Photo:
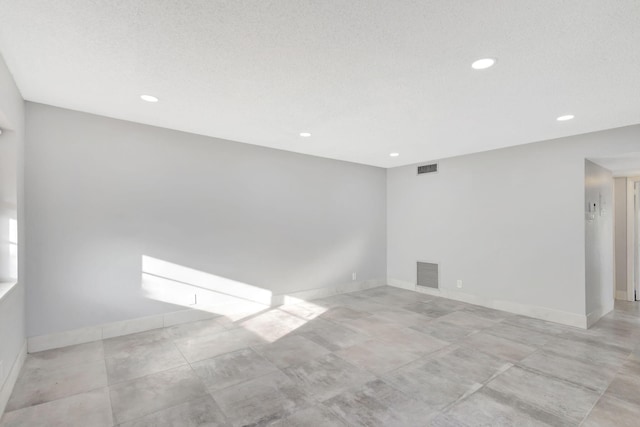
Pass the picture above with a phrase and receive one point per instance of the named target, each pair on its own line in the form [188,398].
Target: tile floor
[381,357]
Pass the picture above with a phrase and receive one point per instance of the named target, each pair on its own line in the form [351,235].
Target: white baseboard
[12,377]
[543,313]
[141,324]
[308,295]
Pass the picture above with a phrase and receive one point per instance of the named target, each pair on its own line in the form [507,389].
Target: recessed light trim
[483,64]
[565,117]
[305,134]
[149,98]
[394,154]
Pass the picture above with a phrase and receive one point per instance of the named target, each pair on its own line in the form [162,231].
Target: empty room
[319,213]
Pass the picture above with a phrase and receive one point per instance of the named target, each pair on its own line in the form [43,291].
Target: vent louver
[428,275]
[430,168]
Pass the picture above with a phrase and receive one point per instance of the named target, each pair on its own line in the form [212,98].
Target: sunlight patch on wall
[175,284]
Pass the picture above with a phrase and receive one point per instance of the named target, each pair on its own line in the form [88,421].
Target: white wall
[508,222]
[620,214]
[102,193]
[599,241]
[12,305]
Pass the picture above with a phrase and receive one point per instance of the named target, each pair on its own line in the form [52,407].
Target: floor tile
[426,382]
[429,309]
[315,416]
[143,360]
[501,347]
[91,408]
[443,330]
[382,356]
[232,368]
[200,412]
[551,394]
[396,335]
[200,328]
[573,370]
[589,352]
[305,310]
[272,325]
[519,334]
[468,320]
[611,411]
[380,291]
[136,398]
[466,363]
[40,385]
[208,346]
[259,401]
[66,356]
[396,299]
[343,313]
[402,317]
[369,305]
[291,350]
[626,387]
[330,335]
[376,356]
[486,408]
[411,340]
[378,404]
[487,313]
[326,376]
[122,346]
[344,300]
[549,328]
[374,327]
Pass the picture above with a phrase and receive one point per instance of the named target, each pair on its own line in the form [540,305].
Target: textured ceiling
[365,77]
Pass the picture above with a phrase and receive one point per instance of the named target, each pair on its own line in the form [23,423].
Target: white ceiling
[623,165]
[365,77]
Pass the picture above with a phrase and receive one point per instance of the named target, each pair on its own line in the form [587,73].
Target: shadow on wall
[246,305]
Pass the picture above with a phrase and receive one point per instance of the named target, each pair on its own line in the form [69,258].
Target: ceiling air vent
[430,168]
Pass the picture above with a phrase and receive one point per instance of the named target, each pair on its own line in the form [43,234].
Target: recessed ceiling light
[305,134]
[483,63]
[149,98]
[565,118]
[394,154]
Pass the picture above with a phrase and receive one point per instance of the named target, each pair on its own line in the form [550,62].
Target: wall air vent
[430,168]
[428,275]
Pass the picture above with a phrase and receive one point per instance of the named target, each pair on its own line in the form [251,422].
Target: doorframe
[632,236]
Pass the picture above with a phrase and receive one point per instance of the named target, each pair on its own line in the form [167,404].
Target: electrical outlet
[354,276]
[195,299]
[459,283]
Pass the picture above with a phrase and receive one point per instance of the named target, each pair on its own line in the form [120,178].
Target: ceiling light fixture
[394,154]
[305,134]
[149,98]
[565,118]
[483,63]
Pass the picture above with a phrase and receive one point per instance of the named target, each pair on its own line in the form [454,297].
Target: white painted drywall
[620,215]
[102,193]
[12,304]
[599,240]
[509,222]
